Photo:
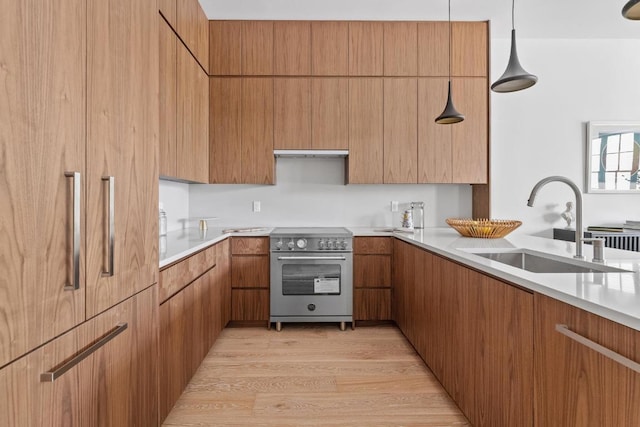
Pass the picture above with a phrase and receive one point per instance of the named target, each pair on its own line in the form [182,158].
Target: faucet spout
[578,194]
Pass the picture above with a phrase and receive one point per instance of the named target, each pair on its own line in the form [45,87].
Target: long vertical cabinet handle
[75,283]
[54,374]
[112,220]
[616,357]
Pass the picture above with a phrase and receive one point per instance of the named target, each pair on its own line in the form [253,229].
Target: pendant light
[450,115]
[631,10]
[515,78]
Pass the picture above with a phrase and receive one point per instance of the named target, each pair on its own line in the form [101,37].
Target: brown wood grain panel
[292,113]
[371,271]
[400,49]
[481,201]
[330,48]
[371,304]
[400,130]
[42,136]
[249,304]
[292,48]
[225,130]
[366,48]
[169,10]
[330,114]
[225,48]
[250,271]
[366,134]
[168,100]
[177,276]
[470,49]
[257,48]
[258,163]
[372,245]
[193,27]
[433,49]
[122,141]
[470,145]
[435,157]
[250,246]
[575,385]
[223,281]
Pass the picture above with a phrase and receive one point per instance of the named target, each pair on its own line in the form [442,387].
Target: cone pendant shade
[631,10]
[450,115]
[515,78]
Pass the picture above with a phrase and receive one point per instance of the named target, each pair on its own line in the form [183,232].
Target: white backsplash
[175,198]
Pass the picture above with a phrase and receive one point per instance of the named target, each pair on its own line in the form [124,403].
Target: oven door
[311,284]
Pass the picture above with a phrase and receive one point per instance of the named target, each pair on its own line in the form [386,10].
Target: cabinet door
[257,131]
[223,267]
[225,47]
[193,27]
[292,48]
[433,50]
[366,48]
[42,137]
[250,271]
[470,51]
[400,49]
[193,119]
[576,385]
[168,100]
[169,10]
[257,48]
[400,131]
[122,144]
[330,48]
[366,131]
[225,130]
[292,113]
[249,304]
[470,145]
[371,271]
[330,114]
[434,141]
[372,304]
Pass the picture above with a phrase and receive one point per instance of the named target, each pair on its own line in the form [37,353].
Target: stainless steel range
[311,275]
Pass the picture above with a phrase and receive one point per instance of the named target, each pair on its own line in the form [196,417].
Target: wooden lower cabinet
[372,278]
[249,304]
[578,386]
[115,385]
[372,304]
[250,278]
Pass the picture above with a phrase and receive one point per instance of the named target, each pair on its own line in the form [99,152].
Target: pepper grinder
[418,214]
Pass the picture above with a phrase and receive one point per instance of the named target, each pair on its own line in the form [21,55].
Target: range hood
[310,153]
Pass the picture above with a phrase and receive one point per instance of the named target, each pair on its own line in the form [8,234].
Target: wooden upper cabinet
[435,156]
[168,100]
[193,119]
[400,130]
[330,113]
[469,141]
[169,9]
[258,163]
[292,113]
[433,49]
[292,48]
[470,49]
[257,48]
[330,48]
[400,49]
[225,130]
[225,47]
[366,48]
[365,131]
[193,27]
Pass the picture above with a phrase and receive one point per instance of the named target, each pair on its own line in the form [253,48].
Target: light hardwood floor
[314,375]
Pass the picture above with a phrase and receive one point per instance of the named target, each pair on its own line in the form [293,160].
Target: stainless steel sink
[539,262]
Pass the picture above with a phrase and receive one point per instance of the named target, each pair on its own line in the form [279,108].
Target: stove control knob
[279,244]
[343,244]
[330,244]
[301,243]
[322,244]
[291,245]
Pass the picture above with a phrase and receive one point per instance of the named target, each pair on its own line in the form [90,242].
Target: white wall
[311,192]
[175,198]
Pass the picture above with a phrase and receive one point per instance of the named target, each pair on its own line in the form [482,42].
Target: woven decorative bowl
[483,228]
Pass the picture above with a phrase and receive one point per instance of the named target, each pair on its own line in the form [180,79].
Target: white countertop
[615,296]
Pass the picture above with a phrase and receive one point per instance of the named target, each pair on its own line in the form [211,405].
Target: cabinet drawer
[176,277]
[250,246]
[249,304]
[372,304]
[372,245]
[250,272]
[372,271]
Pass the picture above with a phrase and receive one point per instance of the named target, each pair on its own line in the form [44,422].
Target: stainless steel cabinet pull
[112,184]
[51,376]
[75,283]
[617,357]
[311,258]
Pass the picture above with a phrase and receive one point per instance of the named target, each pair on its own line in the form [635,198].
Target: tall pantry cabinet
[78,229]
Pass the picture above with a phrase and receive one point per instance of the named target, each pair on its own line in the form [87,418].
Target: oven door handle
[312,258]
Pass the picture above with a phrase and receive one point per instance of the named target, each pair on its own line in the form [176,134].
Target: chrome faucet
[578,194]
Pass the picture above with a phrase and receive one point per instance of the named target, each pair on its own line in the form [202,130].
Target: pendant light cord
[513,14]
[449,41]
